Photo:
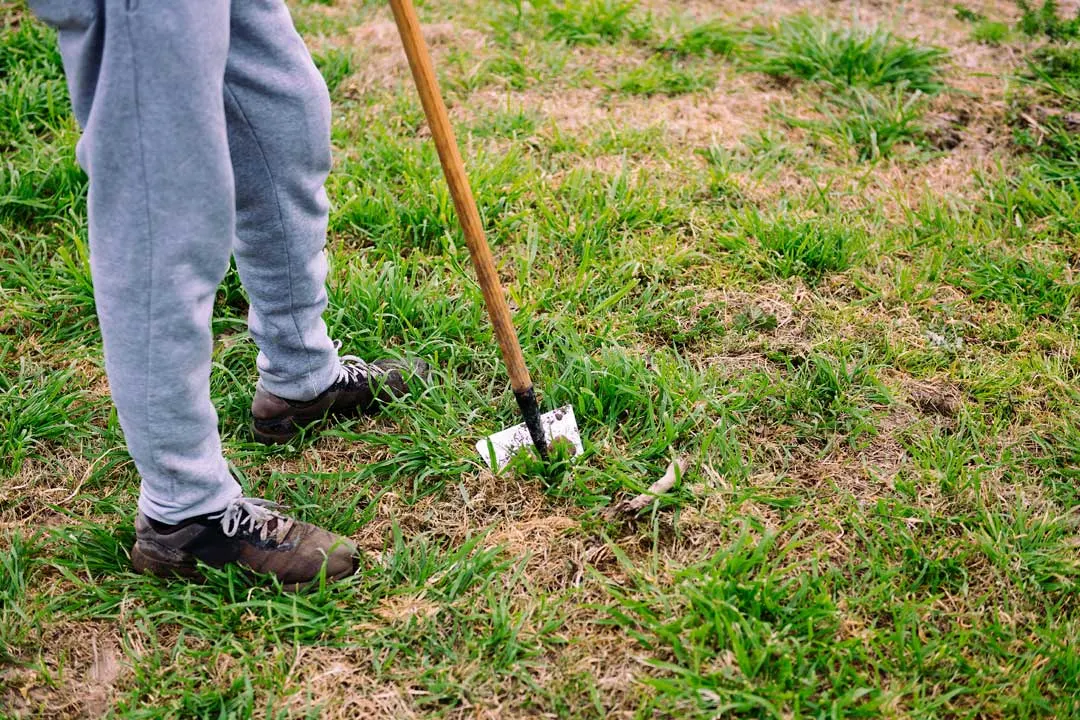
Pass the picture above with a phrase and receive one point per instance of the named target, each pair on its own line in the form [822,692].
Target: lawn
[825,252]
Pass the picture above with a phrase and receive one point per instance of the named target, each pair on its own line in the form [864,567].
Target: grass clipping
[672,475]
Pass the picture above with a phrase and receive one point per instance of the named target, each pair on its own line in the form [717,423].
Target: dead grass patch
[329,454]
[936,396]
[401,608]
[601,652]
[85,664]
[342,685]
[507,509]
[792,324]
[45,479]
[738,104]
[380,60]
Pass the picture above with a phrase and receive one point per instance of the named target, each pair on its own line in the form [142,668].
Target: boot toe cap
[342,560]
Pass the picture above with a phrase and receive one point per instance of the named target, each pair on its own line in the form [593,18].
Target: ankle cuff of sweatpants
[175,510]
[305,388]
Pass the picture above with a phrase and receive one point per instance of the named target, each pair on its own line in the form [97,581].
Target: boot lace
[355,369]
[256,517]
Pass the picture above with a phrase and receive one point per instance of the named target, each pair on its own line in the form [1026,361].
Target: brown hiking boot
[248,532]
[361,387]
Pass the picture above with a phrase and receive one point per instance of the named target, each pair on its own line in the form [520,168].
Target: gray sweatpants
[206,131]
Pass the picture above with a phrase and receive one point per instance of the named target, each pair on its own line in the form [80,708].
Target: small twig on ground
[674,471]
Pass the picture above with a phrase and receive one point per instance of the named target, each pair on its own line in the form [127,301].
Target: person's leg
[147,86]
[147,81]
[278,113]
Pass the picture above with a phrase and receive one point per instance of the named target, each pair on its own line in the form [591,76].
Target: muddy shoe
[360,387]
[249,532]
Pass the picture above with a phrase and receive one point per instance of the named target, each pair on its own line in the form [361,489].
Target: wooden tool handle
[454,170]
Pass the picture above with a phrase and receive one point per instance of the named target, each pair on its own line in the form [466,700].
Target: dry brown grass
[48,479]
[84,662]
[380,60]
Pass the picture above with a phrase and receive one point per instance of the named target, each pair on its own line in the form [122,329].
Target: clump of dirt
[934,397]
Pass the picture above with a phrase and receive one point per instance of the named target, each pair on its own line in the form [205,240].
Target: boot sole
[147,562]
[274,437]
[284,430]
[314,582]
[281,431]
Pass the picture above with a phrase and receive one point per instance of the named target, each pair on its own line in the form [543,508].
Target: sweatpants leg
[147,83]
[278,113]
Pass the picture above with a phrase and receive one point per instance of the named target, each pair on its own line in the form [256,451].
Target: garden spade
[539,430]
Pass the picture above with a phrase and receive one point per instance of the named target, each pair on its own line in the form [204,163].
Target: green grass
[712,38]
[40,407]
[803,248]
[1043,115]
[990,33]
[746,619]
[725,239]
[590,22]
[1046,19]
[336,66]
[1033,288]
[869,125]
[805,48]
[984,30]
[662,76]
[873,84]
[35,97]
[14,562]
[1054,78]
[966,14]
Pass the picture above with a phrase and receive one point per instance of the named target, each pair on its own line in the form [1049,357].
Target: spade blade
[503,445]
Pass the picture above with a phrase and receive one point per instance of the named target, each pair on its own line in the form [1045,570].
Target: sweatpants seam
[309,375]
[148,424]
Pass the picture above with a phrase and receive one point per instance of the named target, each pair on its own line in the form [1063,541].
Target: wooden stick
[468,216]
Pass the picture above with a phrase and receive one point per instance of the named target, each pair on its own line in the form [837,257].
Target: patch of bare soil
[85,662]
[380,60]
[785,320]
[737,105]
[933,397]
